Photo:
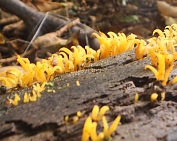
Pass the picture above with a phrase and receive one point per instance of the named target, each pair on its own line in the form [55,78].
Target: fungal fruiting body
[77,83]
[114,44]
[90,126]
[36,93]
[162,52]
[73,119]
[136,98]
[11,77]
[66,61]
[162,96]
[15,100]
[161,49]
[98,113]
[153,97]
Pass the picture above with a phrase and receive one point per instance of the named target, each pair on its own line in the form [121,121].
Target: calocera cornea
[90,126]
[140,49]
[109,130]
[26,97]
[136,98]
[36,93]
[162,96]
[153,97]
[11,78]
[165,66]
[97,113]
[15,100]
[114,44]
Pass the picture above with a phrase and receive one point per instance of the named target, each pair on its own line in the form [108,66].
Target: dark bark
[31,17]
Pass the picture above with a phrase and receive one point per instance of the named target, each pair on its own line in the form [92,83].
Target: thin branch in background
[37,32]
[67,27]
[67,14]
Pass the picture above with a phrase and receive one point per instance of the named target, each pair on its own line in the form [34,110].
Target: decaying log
[113,82]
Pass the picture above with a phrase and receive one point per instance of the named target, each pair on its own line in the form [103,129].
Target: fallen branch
[31,17]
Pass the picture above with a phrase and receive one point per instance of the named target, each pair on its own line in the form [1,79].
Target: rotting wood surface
[114,82]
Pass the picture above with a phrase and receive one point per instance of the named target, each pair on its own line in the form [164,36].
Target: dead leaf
[167,9]
[51,39]
[170,20]
[2,39]
[48,6]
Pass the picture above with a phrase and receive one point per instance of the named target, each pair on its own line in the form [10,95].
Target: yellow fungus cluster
[36,93]
[98,113]
[154,97]
[90,126]
[73,119]
[15,100]
[67,60]
[11,77]
[28,97]
[114,44]
[161,49]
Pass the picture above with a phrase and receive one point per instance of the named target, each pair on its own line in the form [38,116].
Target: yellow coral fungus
[98,113]
[77,83]
[79,114]
[165,66]
[33,98]
[153,70]
[161,66]
[15,100]
[90,127]
[162,96]
[168,71]
[36,93]
[40,72]
[75,119]
[66,118]
[136,97]
[140,49]
[37,89]
[113,127]
[114,44]
[26,98]
[87,129]
[11,78]
[153,97]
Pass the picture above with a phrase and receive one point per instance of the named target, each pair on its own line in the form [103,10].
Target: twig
[13,58]
[67,26]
